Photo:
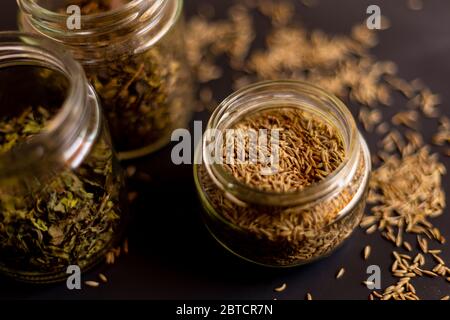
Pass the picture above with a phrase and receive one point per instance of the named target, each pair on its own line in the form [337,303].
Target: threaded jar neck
[130,28]
[296,94]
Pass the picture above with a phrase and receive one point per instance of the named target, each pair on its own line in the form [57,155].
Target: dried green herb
[72,217]
[141,99]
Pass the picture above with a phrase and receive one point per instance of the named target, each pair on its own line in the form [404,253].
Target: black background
[171,254]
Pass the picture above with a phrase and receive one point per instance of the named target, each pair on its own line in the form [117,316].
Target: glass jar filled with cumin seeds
[61,188]
[133,54]
[282,173]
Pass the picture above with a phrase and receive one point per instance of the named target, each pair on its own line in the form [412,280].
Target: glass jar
[283,228]
[134,56]
[60,183]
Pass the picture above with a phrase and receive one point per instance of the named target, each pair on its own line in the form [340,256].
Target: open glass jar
[60,183]
[283,228]
[133,54]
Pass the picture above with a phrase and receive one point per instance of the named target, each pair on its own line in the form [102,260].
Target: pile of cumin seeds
[406,192]
[309,150]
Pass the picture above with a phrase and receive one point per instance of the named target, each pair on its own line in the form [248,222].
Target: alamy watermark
[73,281]
[231,146]
[374,280]
[73,21]
[374,20]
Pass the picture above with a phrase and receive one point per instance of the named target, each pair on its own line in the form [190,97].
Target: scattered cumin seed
[367,251]
[382,128]
[125,246]
[281,288]
[429,273]
[438,259]
[93,284]
[406,118]
[103,277]
[340,273]
[372,229]
[407,246]
[423,244]
[322,151]
[377,294]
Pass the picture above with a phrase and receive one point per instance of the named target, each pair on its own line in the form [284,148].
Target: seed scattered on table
[281,288]
[366,253]
[340,273]
[93,284]
[103,277]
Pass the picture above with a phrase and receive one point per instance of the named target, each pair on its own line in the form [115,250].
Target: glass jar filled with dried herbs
[282,173]
[133,54]
[60,183]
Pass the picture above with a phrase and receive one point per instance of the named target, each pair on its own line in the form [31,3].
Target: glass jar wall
[283,227]
[60,183]
[133,54]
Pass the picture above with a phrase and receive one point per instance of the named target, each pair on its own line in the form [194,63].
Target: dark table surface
[171,254]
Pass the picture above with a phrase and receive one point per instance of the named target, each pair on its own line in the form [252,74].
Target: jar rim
[17,48]
[330,185]
[33,8]
[127,22]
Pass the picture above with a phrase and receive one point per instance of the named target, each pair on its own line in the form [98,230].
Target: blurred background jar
[283,228]
[60,182]
[134,56]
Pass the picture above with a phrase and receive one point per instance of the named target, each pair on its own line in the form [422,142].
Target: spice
[143,95]
[310,149]
[92,284]
[134,57]
[415,179]
[407,246]
[340,273]
[67,222]
[367,251]
[343,65]
[61,217]
[281,288]
[103,277]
